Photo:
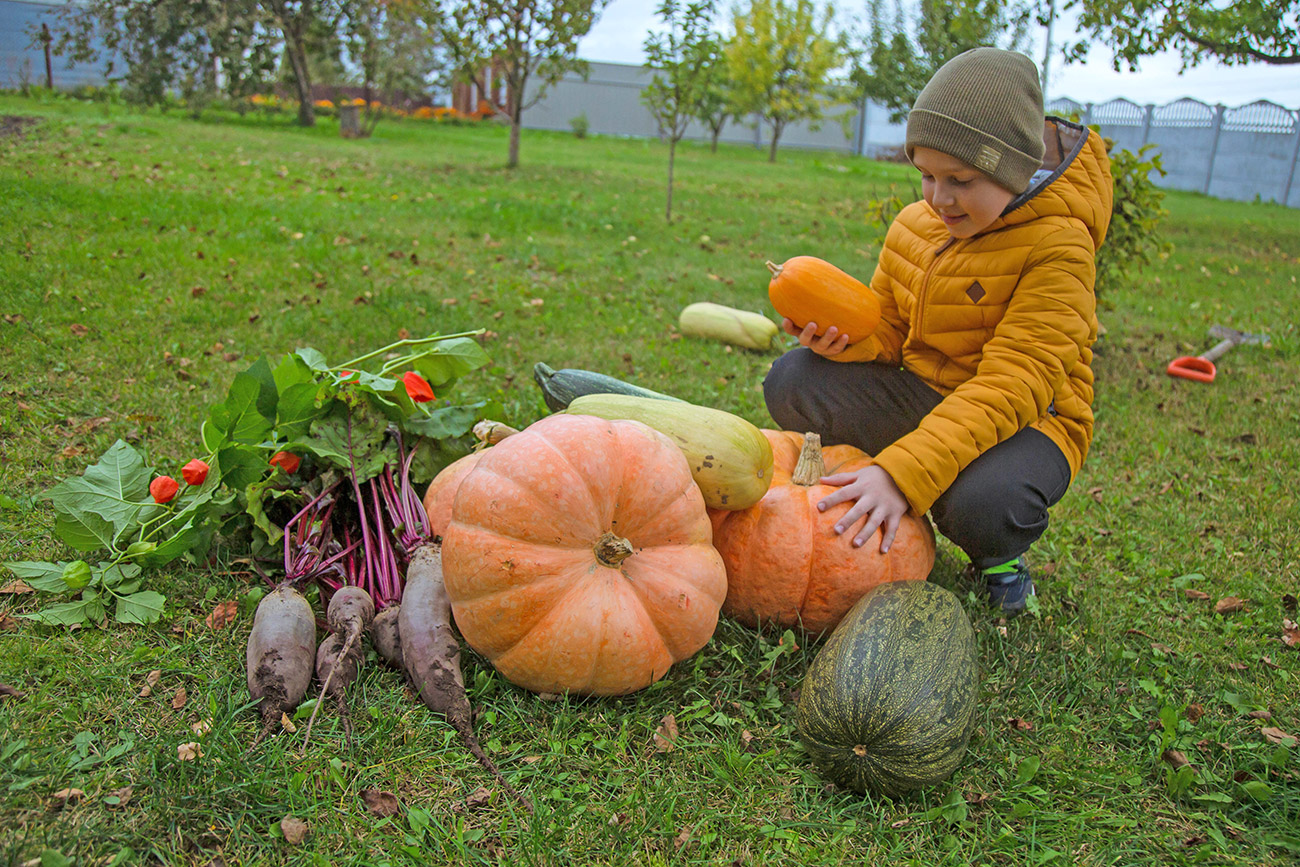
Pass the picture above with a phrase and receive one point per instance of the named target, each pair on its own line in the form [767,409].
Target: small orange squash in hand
[578,557]
[807,289]
[785,563]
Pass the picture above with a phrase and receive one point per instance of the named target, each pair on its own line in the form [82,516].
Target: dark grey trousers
[994,510]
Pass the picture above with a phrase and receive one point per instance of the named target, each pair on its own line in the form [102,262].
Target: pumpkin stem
[611,550]
[492,432]
[810,467]
[774,268]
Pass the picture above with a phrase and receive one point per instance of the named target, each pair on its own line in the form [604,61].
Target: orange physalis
[286,461]
[417,387]
[195,472]
[163,489]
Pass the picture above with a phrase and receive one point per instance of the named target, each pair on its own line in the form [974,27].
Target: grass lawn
[145,259]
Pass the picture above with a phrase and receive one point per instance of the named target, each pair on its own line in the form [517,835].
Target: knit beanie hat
[985,108]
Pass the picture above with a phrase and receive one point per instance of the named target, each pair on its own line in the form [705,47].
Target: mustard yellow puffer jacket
[1001,324]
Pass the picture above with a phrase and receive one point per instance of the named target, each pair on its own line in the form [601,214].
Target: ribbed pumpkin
[786,564]
[888,702]
[579,559]
[442,491]
[807,289]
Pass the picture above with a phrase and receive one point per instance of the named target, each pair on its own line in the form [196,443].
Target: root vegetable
[281,647]
[386,637]
[431,654]
[339,657]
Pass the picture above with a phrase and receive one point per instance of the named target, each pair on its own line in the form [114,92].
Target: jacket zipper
[925,285]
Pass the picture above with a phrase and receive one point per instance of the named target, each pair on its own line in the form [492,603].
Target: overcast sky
[623,26]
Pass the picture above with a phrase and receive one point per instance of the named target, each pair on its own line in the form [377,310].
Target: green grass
[163,237]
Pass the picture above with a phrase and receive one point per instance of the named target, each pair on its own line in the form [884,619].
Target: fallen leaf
[974,799]
[202,727]
[287,724]
[1194,712]
[13,318]
[1238,666]
[403,334]
[1019,724]
[531,760]
[1290,633]
[901,823]
[1164,489]
[1196,840]
[480,797]
[1260,714]
[1268,660]
[617,819]
[7,623]
[178,700]
[223,614]
[1229,604]
[16,587]
[1276,736]
[1175,759]
[7,691]
[665,737]
[380,803]
[746,739]
[64,797]
[1198,595]
[120,798]
[150,680]
[536,302]
[684,837]
[197,292]
[294,829]
[1288,603]
[189,752]
[1163,648]
[79,330]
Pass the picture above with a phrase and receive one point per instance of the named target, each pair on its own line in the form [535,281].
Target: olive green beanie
[985,108]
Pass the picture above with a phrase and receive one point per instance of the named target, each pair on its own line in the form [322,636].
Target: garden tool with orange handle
[1201,367]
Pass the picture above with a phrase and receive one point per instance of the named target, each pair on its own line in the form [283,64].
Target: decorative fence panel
[1242,153]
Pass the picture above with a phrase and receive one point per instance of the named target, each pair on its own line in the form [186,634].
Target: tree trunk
[513,160]
[717,131]
[296,49]
[672,155]
[776,137]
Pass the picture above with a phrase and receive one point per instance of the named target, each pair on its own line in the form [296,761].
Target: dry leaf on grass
[223,614]
[1275,735]
[7,623]
[1175,759]
[1198,595]
[1019,724]
[665,737]
[202,727]
[1229,604]
[380,803]
[119,798]
[1289,603]
[1260,714]
[287,724]
[150,680]
[79,329]
[16,587]
[65,797]
[189,752]
[7,691]
[294,829]
[179,699]
[1290,633]
[1194,712]
[480,797]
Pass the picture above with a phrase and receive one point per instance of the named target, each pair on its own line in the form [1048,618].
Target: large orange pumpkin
[579,559]
[442,491]
[785,563]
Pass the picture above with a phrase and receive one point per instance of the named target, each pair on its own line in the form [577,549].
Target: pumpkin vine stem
[611,550]
[811,467]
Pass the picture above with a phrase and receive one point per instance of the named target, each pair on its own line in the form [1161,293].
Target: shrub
[1133,239]
[580,125]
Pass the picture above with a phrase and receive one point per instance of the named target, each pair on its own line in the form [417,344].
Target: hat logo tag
[987,159]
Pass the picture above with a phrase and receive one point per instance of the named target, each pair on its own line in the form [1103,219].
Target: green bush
[1133,239]
[580,125]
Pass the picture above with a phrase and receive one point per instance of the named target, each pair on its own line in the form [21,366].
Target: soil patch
[16,125]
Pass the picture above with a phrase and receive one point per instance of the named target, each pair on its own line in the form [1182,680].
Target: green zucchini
[560,387]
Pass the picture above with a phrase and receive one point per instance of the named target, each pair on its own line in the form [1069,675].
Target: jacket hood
[1079,186]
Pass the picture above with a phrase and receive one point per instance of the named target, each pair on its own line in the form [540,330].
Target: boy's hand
[830,343]
[879,501]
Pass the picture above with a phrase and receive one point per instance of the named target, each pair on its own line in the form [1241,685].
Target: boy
[974,394]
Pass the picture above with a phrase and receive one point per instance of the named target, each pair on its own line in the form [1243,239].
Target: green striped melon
[888,702]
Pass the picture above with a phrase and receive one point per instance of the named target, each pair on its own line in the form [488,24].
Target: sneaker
[1010,585]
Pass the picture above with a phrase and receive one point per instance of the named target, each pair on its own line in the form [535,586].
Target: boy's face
[965,198]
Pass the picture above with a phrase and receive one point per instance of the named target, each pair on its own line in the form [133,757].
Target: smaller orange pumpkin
[807,289]
[442,491]
[787,566]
